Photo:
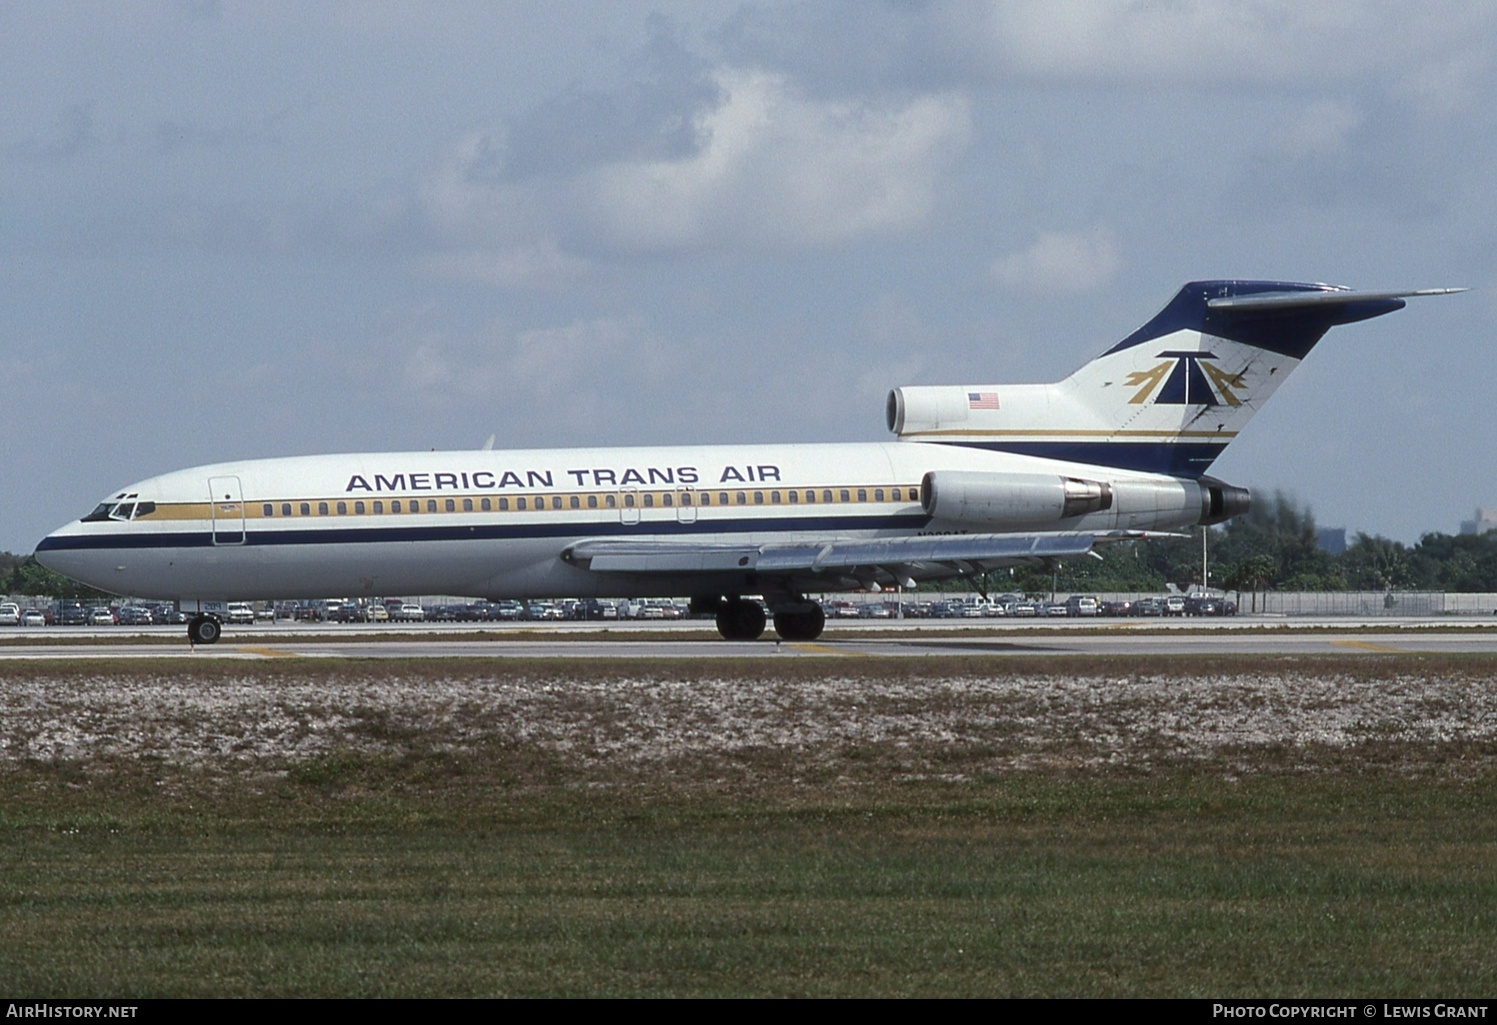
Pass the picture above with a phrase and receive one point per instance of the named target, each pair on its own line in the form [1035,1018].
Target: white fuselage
[494,524]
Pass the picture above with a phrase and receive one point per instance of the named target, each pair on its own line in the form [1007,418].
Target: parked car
[1200,605]
[1148,607]
[1081,605]
[506,610]
[33,617]
[10,614]
[70,612]
[1206,605]
[658,608]
[310,611]
[101,616]
[241,612]
[595,609]
[164,613]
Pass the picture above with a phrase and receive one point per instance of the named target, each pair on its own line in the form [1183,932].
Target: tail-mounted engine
[1023,501]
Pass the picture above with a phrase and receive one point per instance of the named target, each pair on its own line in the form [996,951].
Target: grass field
[1142,827]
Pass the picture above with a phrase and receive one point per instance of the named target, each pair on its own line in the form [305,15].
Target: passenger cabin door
[629,507]
[226,510]
[686,505]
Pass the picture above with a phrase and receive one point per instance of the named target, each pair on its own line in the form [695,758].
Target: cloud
[1232,40]
[1323,127]
[777,168]
[1059,262]
[72,135]
[591,368]
[1434,52]
[769,168]
[540,265]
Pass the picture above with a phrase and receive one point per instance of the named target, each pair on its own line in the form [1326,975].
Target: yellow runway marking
[822,649]
[1370,646]
[269,652]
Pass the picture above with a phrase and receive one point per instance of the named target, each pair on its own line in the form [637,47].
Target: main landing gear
[204,629]
[740,619]
[743,619]
[802,621]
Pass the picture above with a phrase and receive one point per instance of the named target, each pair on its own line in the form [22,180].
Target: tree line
[22,574]
[1275,546]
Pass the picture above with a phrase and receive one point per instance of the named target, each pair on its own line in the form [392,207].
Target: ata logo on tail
[1186,379]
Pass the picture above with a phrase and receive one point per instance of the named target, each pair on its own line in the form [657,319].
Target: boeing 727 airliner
[981,477]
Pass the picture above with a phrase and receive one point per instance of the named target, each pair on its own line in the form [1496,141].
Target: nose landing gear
[204,629]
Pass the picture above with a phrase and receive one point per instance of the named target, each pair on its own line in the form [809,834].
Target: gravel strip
[944,725]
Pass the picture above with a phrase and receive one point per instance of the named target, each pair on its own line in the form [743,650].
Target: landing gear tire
[740,620]
[802,624]
[703,605]
[204,630]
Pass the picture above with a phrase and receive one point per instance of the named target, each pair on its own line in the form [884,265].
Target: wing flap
[902,556]
[661,557]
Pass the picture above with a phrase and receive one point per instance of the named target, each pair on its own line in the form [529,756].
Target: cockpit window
[122,508]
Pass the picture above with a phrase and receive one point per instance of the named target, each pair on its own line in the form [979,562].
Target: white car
[10,614]
[658,608]
[241,612]
[33,617]
[410,612]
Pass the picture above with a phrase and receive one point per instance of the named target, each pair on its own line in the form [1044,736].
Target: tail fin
[1166,399]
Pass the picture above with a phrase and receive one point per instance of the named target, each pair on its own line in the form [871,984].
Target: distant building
[1331,540]
[1486,519]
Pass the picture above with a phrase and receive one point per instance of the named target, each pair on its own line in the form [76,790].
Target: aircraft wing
[904,558]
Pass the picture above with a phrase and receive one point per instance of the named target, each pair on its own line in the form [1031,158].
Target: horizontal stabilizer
[1302,300]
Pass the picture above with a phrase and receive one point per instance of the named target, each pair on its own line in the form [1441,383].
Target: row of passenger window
[610,500]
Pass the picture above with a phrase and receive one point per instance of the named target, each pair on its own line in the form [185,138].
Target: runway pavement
[698,640]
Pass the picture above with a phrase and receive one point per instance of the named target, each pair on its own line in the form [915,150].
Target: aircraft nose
[47,548]
[60,552]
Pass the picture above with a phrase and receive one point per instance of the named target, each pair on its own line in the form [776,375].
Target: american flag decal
[982,400]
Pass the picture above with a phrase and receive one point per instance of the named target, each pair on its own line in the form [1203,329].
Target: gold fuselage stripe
[1038,433]
[611,501]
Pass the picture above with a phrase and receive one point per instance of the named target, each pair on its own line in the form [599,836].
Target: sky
[233,230]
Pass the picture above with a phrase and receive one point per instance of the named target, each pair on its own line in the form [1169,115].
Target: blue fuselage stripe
[476,532]
[1175,458]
